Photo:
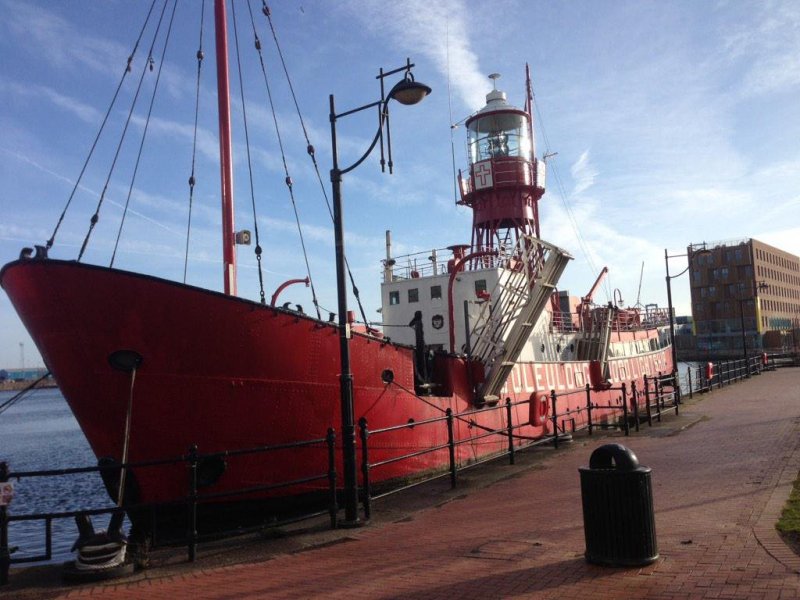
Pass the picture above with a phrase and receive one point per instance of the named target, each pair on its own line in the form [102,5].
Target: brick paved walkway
[719,482]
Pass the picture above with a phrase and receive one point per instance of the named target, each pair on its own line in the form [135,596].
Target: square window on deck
[436,292]
[413,295]
[394,298]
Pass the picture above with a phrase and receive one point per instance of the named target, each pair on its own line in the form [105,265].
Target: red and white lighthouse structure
[505,180]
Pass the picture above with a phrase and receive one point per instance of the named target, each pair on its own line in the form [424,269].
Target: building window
[413,295]
[394,298]
[436,292]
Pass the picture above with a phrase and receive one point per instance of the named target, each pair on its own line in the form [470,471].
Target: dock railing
[617,408]
[193,498]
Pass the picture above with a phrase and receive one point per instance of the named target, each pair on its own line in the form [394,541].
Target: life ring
[709,371]
[540,407]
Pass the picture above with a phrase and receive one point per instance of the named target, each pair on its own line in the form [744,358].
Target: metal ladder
[530,273]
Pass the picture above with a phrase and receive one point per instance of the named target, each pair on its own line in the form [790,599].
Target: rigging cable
[249,162]
[192,180]
[127,70]
[22,394]
[144,130]
[311,152]
[570,215]
[96,216]
[288,179]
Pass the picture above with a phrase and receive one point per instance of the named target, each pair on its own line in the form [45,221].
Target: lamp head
[408,92]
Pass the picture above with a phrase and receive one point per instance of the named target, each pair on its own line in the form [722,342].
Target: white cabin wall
[396,317]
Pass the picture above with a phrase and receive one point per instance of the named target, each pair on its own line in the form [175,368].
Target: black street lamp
[407,91]
[691,255]
[757,286]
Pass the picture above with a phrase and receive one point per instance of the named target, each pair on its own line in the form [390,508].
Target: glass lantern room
[498,135]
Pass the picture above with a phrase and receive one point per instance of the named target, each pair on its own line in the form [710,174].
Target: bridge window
[394,298]
[413,295]
[436,292]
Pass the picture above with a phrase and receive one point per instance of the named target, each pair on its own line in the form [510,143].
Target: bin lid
[614,456]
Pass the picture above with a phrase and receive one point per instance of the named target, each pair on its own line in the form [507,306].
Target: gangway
[528,277]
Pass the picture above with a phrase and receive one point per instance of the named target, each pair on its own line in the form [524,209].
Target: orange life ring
[540,407]
[710,371]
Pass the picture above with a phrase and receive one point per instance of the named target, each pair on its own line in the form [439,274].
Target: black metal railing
[193,498]
[655,396]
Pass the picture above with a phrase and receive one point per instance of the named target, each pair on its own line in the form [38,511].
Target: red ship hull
[226,373]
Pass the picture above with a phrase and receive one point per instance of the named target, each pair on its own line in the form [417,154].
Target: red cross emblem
[482,172]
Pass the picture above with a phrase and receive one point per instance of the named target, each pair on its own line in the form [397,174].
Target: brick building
[743,292]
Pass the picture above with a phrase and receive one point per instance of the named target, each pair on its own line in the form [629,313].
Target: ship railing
[624,320]
[193,498]
[421,264]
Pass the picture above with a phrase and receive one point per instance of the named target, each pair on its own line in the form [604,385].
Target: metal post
[451,446]
[333,507]
[689,379]
[647,400]
[554,417]
[5,551]
[192,525]
[589,405]
[671,320]
[635,397]
[364,433]
[626,425]
[659,391]
[510,432]
[744,334]
[346,376]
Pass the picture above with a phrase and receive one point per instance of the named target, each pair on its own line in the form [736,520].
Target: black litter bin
[618,518]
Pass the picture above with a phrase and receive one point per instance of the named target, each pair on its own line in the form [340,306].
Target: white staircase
[530,273]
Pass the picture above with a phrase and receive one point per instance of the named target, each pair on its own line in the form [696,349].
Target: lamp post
[691,255]
[761,285]
[406,91]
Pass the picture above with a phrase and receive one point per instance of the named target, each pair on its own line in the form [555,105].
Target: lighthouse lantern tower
[505,180]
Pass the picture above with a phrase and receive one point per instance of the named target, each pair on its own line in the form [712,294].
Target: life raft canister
[709,371]
[539,408]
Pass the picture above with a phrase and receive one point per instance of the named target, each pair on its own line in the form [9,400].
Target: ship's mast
[225,153]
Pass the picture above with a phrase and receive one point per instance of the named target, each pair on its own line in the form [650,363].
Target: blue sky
[674,122]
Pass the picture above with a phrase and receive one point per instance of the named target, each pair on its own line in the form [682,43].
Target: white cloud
[583,173]
[440,31]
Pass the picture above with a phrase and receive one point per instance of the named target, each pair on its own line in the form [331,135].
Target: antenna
[450,114]
[494,77]
[639,293]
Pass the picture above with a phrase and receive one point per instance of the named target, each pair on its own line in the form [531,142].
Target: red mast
[225,153]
